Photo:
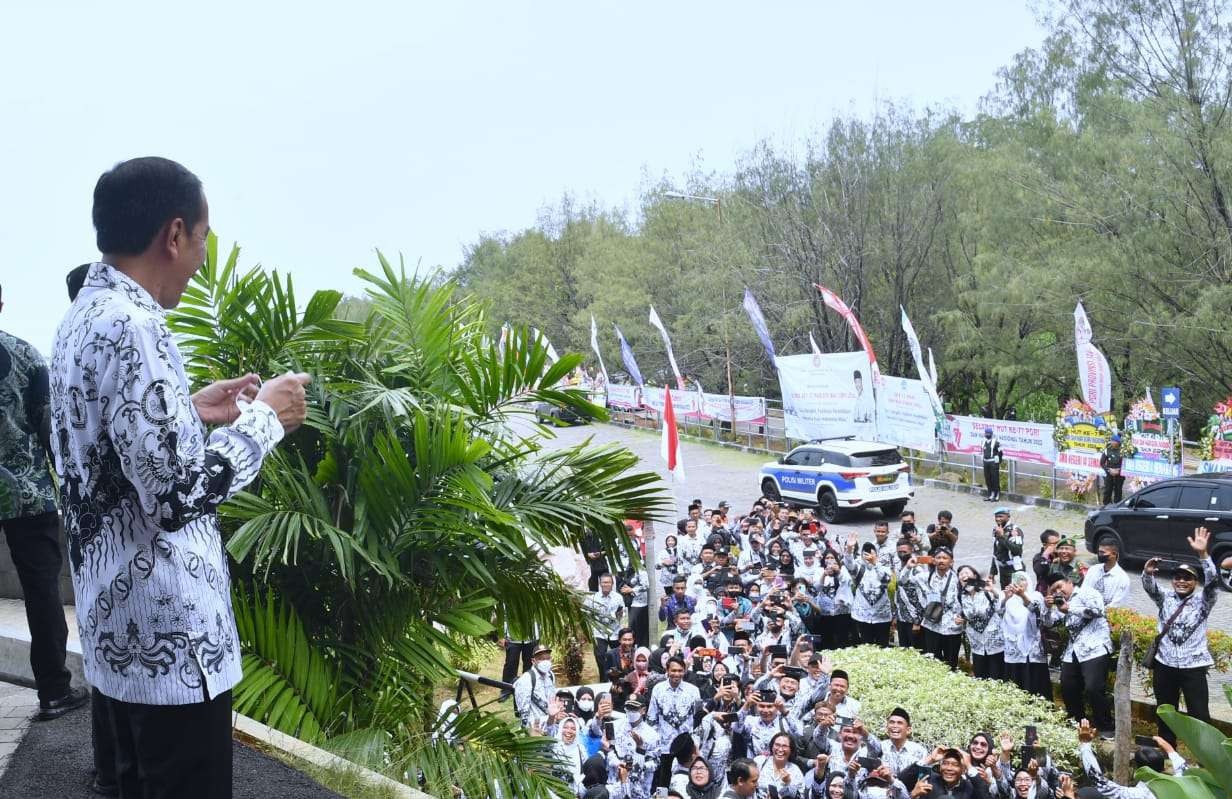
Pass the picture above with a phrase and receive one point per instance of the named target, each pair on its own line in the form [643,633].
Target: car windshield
[880,457]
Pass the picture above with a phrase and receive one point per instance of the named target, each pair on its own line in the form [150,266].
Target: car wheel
[770,490]
[827,506]
[894,509]
[1219,553]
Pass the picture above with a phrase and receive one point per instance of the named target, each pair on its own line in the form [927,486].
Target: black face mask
[904,556]
[1102,557]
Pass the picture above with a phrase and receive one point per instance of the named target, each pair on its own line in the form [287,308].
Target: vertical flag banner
[913,341]
[835,303]
[1094,375]
[669,448]
[667,342]
[813,344]
[626,354]
[542,339]
[759,323]
[594,345]
[932,369]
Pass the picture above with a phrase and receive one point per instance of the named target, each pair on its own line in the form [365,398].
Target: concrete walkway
[17,705]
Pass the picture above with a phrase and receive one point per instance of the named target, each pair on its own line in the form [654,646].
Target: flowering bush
[1144,629]
[1080,485]
[949,707]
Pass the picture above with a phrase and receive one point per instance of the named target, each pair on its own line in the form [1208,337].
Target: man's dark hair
[625,631]
[945,514]
[740,770]
[1044,536]
[682,612]
[879,524]
[135,198]
[679,579]
[1110,543]
[678,660]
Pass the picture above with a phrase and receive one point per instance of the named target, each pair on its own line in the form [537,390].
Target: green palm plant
[1211,780]
[408,516]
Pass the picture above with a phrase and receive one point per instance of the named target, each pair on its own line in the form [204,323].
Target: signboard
[748,409]
[821,399]
[1215,445]
[627,398]
[1081,435]
[1150,453]
[1020,441]
[905,414]
[1171,402]
[683,402]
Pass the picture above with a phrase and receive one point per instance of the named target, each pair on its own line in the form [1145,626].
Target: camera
[1057,598]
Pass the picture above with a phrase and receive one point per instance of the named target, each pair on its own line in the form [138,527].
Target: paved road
[714,473]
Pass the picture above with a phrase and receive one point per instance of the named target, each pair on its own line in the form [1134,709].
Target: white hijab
[1020,625]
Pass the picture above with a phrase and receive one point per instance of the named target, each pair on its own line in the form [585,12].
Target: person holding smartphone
[1088,652]
[778,771]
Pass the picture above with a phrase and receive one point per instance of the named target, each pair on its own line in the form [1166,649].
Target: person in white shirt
[534,693]
[1149,757]
[609,608]
[141,478]
[844,705]
[1088,652]
[898,750]
[1109,578]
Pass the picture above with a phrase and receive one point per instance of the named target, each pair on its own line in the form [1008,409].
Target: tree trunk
[1123,712]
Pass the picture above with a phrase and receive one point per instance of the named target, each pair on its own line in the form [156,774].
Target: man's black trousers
[516,651]
[1171,683]
[1086,683]
[173,751]
[34,542]
[992,478]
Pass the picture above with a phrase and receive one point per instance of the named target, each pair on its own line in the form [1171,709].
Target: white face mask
[585,705]
[635,718]
[544,666]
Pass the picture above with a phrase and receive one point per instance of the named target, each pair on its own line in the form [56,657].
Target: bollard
[1123,712]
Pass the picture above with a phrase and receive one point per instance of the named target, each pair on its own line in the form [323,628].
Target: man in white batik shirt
[141,478]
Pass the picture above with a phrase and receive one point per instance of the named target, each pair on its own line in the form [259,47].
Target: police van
[838,475]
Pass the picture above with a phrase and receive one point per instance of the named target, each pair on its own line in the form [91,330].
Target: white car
[838,475]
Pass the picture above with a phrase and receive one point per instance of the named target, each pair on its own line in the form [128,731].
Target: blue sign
[1171,404]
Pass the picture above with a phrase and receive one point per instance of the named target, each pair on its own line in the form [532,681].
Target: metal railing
[771,438]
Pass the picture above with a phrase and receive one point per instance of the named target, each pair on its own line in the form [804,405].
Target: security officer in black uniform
[1111,462]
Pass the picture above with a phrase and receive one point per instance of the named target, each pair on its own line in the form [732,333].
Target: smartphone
[728,717]
[1026,755]
[1167,564]
[815,640]
[794,671]
[660,793]
[924,560]
[1145,740]
[869,763]
[609,730]
[844,721]
[1030,735]
[773,792]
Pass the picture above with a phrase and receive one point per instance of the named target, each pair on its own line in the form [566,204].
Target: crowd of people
[745,694]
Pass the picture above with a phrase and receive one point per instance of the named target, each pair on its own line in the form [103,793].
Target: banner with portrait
[827,396]
[624,397]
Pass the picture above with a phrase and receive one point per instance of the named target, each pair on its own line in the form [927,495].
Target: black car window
[880,457]
[808,458]
[1195,498]
[795,458]
[1223,498]
[1161,497]
[837,459]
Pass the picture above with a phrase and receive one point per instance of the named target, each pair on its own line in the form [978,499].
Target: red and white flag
[669,448]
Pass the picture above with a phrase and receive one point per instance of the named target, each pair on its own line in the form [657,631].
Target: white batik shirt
[935,588]
[981,612]
[1112,585]
[609,610]
[140,480]
[1089,634]
[1185,645]
[870,586]
[671,709]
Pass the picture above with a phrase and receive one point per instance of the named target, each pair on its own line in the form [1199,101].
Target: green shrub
[949,707]
[1144,627]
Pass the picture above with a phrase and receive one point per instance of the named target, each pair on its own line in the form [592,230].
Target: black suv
[1157,520]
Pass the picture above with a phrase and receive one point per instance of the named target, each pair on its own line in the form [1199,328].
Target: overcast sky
[325,130]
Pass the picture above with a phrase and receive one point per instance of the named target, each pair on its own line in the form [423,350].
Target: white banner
[1020,441]
[913,341]
[820,397]
[625,397]
[1094,375]
[683,402]
[748,409]
[905,415]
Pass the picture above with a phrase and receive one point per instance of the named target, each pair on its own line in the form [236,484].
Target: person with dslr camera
[1088,652]
[1006,546]
[943,533]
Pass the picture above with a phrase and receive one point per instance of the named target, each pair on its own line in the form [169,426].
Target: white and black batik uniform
[624,749]
[899,759]
[1184,656]
[1112,585]
[981,612]
[759,733]
[870,589]
[671,710]
[140,481]
[1085,663]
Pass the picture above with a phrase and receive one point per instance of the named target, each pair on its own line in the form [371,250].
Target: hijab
[587,715]
[594,772]
[573,754]
[710,790]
